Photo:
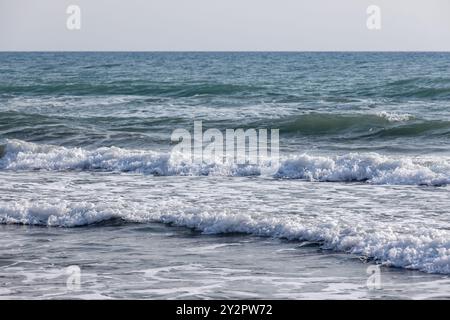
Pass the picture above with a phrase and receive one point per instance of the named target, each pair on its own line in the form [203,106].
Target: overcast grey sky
[224,25]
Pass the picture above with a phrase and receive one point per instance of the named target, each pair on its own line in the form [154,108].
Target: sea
[93,205]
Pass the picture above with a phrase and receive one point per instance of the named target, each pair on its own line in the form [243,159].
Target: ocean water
[88,179]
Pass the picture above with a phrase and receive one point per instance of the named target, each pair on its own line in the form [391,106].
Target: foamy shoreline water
[175,263]
[311,214]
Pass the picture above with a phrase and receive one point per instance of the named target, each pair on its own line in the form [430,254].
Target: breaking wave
[416,248]
[353,167]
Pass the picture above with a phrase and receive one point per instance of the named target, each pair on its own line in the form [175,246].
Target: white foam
[395,117]
[371,167]
[61,214]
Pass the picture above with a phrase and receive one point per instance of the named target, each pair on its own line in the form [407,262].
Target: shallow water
[155,261]
[247,237]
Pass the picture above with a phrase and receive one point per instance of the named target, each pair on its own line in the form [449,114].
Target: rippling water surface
[88,178]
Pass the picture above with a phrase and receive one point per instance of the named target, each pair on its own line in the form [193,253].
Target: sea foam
[411,247]
[353,167]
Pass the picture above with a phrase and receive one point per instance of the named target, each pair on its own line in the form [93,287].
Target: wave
[323,123]
[380,125]
[419,87]
[413,88]
[353,167]
[129,87]
[416,248]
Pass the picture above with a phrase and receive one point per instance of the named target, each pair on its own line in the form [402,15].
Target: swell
[419,87]
[327,123]
[128,87]
[353,167]
[418,248]
[380,125]
[410,88]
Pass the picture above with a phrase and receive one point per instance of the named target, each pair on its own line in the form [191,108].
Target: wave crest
[370,167]
[415,248]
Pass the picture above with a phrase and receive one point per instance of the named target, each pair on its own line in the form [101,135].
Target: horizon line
[224,51]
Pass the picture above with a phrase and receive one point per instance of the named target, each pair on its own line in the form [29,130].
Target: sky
[225,25]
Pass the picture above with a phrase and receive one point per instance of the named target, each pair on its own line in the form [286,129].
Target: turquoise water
[345,101]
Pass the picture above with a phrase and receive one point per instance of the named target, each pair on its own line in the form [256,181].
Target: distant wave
[416,248]
[379,125]
[352,124]
[354,167]
[128,87]
[419,87]
[369,126]
[423,88]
